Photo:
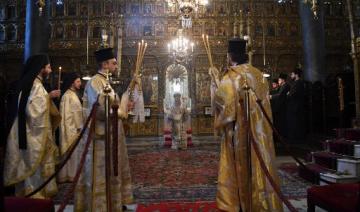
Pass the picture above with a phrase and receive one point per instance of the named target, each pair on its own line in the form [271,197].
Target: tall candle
[59,79]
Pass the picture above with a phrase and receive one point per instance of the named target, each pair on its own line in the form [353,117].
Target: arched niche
[176,81]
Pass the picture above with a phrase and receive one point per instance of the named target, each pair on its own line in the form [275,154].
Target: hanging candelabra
[181,49]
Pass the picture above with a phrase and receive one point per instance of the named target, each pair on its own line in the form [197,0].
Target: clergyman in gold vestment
[232,194]
[90,194]
[178,117]
[71,123]
[31,149]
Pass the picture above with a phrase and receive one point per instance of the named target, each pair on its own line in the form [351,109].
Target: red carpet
[28,204]
[174,168]
[161,176]
[176,206]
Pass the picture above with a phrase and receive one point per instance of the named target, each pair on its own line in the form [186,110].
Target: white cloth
[139,112]
[71,124]
[28,168]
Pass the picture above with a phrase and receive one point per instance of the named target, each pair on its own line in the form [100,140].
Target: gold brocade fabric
[233,193]
[90,192]
[29,168]
[71,124]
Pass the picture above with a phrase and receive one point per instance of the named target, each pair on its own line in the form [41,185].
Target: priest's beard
[44,75]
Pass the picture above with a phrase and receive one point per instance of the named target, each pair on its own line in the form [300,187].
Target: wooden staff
[107,90]
[246,88]
[115,136]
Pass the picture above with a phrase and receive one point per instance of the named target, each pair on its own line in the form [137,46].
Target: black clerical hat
[34,64]
[102,55]
[68,81]
[237,46]
[297,71]
[177,94]
[283,76]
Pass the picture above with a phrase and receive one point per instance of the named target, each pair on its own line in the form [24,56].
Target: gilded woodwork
[148,128]
[154,21]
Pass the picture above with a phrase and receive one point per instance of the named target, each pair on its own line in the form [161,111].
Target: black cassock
[278,106]
[272,102]
[295,111]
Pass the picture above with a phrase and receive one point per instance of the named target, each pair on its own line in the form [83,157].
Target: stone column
[355,56]
[313,41]
[37,31]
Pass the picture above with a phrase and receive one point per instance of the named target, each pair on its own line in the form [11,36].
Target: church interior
[184,38]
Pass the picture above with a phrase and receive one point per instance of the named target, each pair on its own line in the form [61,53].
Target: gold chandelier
[180,49]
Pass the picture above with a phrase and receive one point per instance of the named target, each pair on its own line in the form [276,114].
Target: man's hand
[214,72]
[137,79]
[55,94]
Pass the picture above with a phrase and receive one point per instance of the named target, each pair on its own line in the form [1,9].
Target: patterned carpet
[293,186]
[190,175]
[174,169]
[180,206]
